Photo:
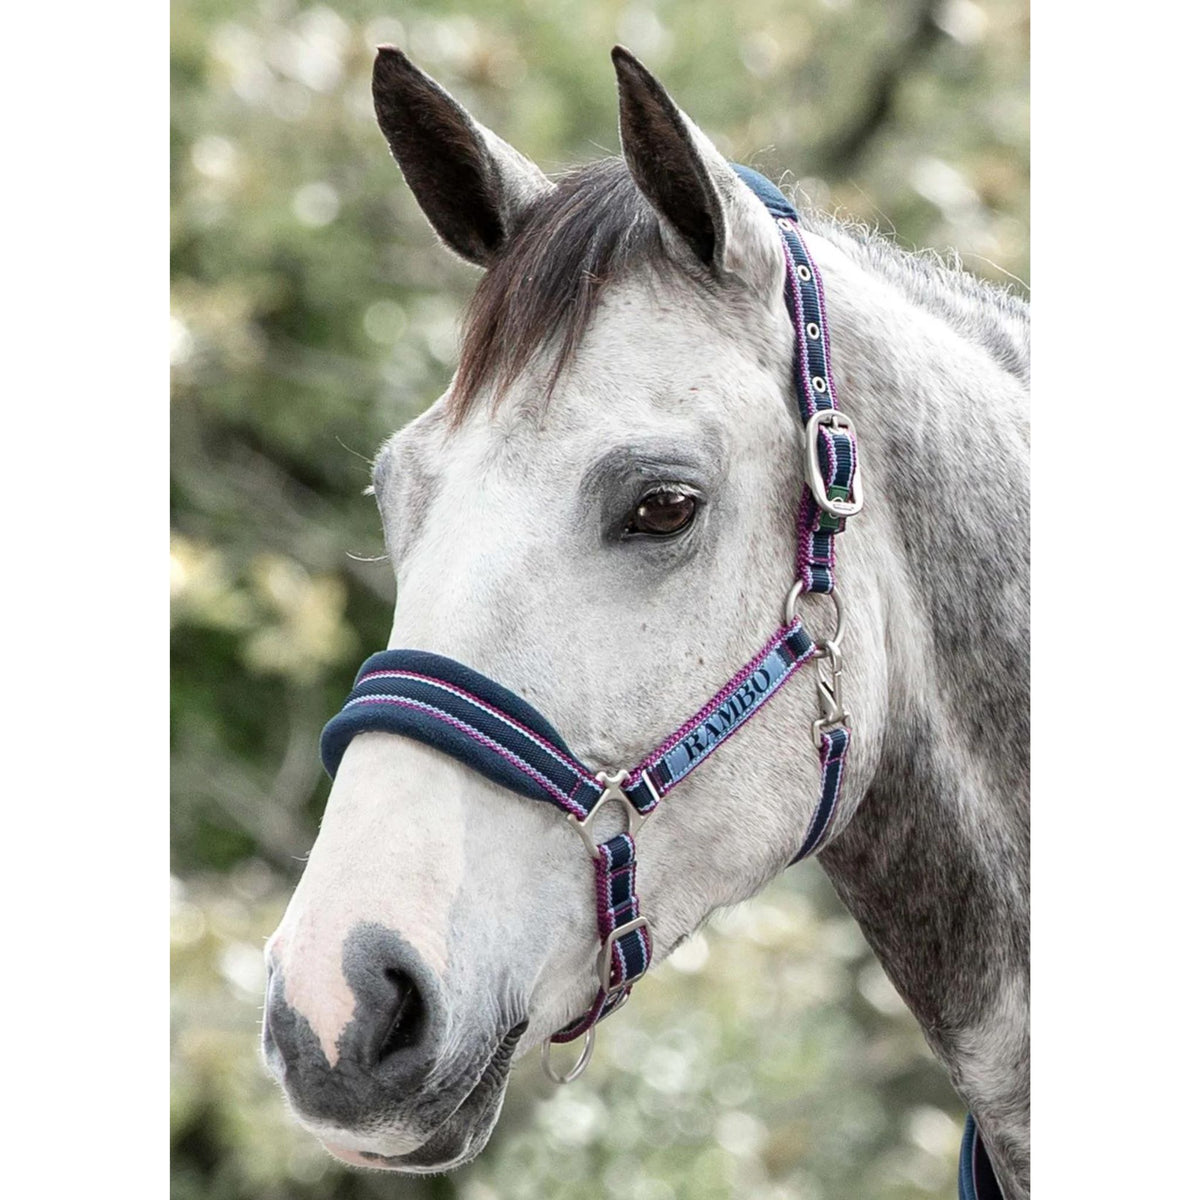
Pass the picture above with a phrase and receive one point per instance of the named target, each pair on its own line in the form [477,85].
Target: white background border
[85,979]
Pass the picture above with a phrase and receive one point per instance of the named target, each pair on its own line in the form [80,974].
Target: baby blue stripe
[738,709]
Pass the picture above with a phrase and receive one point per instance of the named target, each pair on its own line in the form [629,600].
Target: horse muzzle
[394,1090]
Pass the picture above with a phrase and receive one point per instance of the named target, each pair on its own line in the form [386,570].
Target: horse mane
[992,315]
[584,234]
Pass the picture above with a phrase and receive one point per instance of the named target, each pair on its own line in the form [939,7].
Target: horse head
[601,514]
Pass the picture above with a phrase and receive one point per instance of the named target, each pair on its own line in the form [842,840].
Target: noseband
[483,725]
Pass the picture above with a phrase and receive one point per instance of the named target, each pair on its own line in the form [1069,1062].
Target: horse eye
[662,513]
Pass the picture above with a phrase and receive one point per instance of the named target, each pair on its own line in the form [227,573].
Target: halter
[483,725]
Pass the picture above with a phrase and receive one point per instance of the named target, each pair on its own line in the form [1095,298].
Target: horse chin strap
[460,712]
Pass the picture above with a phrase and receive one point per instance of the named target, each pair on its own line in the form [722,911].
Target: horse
[598,522]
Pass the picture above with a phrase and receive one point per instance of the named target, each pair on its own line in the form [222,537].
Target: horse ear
[471,185]
[699,199]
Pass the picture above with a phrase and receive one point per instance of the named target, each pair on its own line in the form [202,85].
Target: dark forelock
[567,247]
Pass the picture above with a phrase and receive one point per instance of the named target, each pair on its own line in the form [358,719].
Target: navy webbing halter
[470,717]
[976,1179]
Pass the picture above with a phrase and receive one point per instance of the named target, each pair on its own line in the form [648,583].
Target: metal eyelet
[804,272]
[818,384]
[813,330]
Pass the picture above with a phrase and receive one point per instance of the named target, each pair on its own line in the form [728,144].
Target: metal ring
[792,604]
[589,1044]
[813,330]
[818,383]
[804,272]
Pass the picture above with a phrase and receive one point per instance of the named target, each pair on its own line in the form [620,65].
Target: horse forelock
[569,245]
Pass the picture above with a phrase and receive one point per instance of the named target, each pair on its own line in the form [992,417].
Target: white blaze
[375,863]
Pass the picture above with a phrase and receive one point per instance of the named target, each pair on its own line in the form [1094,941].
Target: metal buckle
[613,790]
[585,1056]
[836,419]
[829,693]
[604,959]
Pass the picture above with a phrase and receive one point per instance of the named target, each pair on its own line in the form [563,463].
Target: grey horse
[628,352]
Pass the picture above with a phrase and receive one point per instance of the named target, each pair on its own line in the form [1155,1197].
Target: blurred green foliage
[313,312]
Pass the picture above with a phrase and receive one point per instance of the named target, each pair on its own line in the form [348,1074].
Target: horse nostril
[407,1024]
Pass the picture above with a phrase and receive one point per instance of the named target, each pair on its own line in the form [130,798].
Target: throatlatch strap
[835,741]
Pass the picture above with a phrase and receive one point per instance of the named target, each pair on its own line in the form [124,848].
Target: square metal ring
[613,790]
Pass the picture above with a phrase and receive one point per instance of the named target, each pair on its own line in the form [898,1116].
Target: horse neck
[934,862]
